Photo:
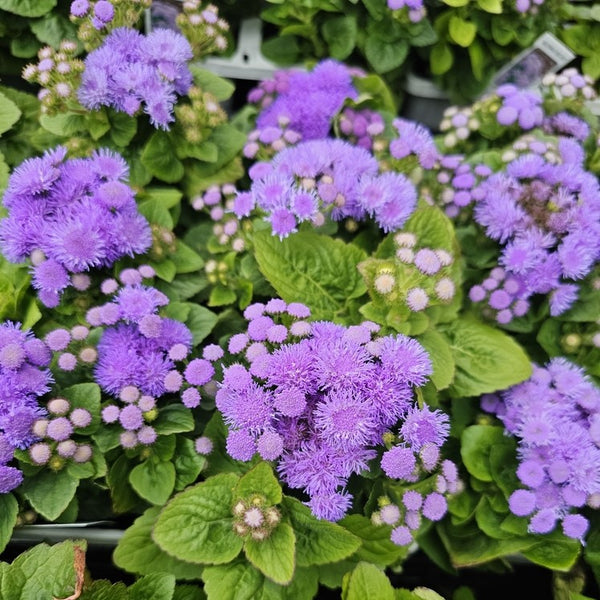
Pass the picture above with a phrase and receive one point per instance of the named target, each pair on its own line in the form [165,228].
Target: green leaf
[340,35]
[383,55]
[188,463]
[318,542]
[25,46]
[53,29]
[49,492]
[154,586]
[28,8]
[188,592]
[9,113]
[42,572]
[122,495]
[275,556]
[439,351]
[503,33]
[9,509]
[64,124]
[367,581]
[456,3]
[200,320]
[197,526]
[470,547]
[478,56]
[174,418]
[153,480]
[486,358]
[476,444]
[136,551]
[259,481]
[558,555]
[122,128]
[159,158]
[105,590]
[221,296]
[461,32]
[220,88]
[441,59]
[236,581]
[491,6]
[282,50]
[376,548]
[312,268]
[186,260]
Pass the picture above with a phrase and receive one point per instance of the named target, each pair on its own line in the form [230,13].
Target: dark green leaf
[9,509]
[188,463]
[153,480]
[159,158]
[476,444]
[174,418]
[53,29]
[383,55]
[49,492]
[28,8]
[340,35]
[377,548]
[283,50]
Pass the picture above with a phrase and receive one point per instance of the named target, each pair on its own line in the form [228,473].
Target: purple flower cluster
[317,405]
[546,215]
[555,415]
[130,70]
[451,182]
[415,8]
[24,377]
[54,73]
[326,176]
[363,128]
[138,347]
[218,202]
[70,216]
[264,94]
[430,270]
[55,433]
[263,143]
[504,295]
[414,140]
[202,26]
[430,502]
[457,124]
[528,6]
[101,12]
[569,84]
[523,107]
[309,100]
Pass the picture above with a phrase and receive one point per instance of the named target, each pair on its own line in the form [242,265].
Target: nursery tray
[97,533]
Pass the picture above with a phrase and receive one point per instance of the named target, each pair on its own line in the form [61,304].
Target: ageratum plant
[260,345]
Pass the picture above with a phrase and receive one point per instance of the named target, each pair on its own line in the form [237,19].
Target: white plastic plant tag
[547,55]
